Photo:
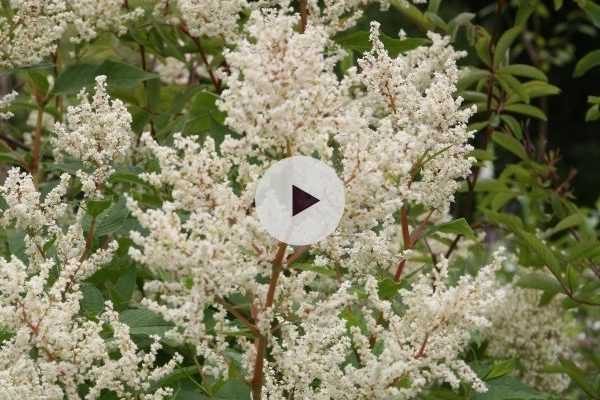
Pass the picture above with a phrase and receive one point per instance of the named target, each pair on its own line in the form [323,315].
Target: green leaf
[205,118]
[579,377]
[112,219]
[513,124]
[500,369]
[504,43]
[458,226]
[499,200]
[129,177]
[354,317]
[546,255]
[540,281]
[587,62]
[76,77]
[438,23]
[470,76]
[92,302]
[233,389]
[528,110]
[512,222]
[205,103]
[347,62]
[593,113]
[434,5]
[540,88]
[442,394]
[359,42]
[178,374]
[70,166]
[525,71]
[483,155]
[491,185]
[388,288]
[5,334]
[16,244]
[508,388]
[122,290]
[526,8]
[95,207]
[566,223]
[462,19]
[511,144]
[512,85]
[314,268]
[592,10]
[583,249]
[123,75]
[558,4]
[482,46]
[152,91]
[38,82]
[475,97]
[142,321]
[10,158]
[413,14]
[398,46]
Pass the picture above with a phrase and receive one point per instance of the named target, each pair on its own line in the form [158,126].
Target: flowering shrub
[133,264]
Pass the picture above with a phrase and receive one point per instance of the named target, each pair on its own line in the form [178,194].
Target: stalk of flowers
[53,351]
[96,132]
[414,123]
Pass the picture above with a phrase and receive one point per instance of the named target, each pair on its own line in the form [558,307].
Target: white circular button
[299,200]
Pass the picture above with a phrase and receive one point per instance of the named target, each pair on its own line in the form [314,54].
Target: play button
[299,200]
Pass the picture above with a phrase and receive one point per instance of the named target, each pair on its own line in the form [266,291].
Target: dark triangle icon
[301,200]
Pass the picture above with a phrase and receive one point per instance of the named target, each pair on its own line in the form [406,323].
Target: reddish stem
[261,341]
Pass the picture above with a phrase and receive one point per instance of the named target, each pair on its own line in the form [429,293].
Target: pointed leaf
[527,109]
[511,144]
[587,62]
[525,71]
[504,43]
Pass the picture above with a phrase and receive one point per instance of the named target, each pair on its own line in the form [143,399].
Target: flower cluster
[96,132]
[333,15]
[282,93]
[197,240]
[36,26]
[53,351]
[175,72]
[536,335]
[5,102]
[404,142]
[91,16]
[338,320]
[421,118]
[283,97]
[217,18]
[420,347]
[33,31]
